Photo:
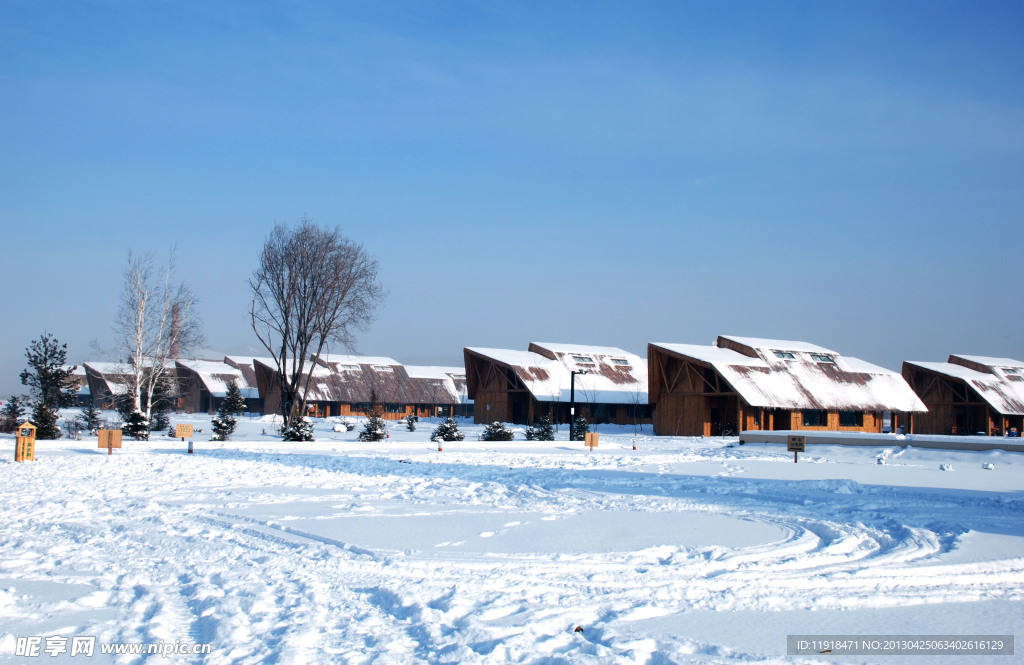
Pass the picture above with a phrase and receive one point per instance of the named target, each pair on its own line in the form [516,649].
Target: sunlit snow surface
[683,551]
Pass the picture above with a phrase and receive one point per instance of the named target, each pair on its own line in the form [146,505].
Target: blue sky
[845,173]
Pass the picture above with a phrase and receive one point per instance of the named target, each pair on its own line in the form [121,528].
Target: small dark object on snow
[578,629]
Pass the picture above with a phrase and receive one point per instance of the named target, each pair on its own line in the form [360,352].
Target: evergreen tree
[164,393]
[53,384]
[223,425]
[410,423]
[13,413]
[375,429]
[447,431]
[45,420]
[136,426]
[224,422]
[542,432]
[497,432]
[301,429]
[579,429]
[91,416]
[234,403]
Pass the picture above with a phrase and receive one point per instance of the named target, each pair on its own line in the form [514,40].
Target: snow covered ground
[683,551]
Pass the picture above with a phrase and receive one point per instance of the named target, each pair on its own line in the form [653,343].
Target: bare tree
[313,287]
[157,323]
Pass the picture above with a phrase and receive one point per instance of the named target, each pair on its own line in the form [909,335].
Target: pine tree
[13,413]
[497,432]
[53,385]
[224,422]
[91,416]
[234,403]
[45,420]
[300,430]
[579,429]
[375,429]
[223,425]
[410,423]
[136,426]
[447,431]
[51,381]
[542,432]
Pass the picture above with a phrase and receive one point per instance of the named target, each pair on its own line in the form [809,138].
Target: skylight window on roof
[583,360]
[384,368]
[458,376]
[785,355]
[620,361]
[1010,370]
[822,358]
[348,368]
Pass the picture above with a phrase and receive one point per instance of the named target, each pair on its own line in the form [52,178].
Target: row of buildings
[339,385]
[737,383]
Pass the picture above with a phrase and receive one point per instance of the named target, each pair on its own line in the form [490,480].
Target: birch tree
[313,287]
[157,323]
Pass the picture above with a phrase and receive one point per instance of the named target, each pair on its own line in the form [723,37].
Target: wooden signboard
[796,444]
[590,438]
[109,438]
[183,431]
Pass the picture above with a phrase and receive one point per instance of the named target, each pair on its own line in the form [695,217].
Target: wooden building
[343,385]
[969,395]
[109,380]
[203,384]
[521,386]
[106,382]
[743,383]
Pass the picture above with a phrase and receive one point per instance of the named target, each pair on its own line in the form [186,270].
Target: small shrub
[497,432]
[542,432]
[447,431]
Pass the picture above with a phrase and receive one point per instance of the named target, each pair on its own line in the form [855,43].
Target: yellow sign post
[109,439]
[25,443]
[184,432]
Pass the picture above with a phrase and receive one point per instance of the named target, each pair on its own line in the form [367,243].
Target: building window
[394,408]
[459,376]
[851,419]
[822,358]
[348,368]
[583,360]
[1010,370]
[757,417]
[384,368]
[815,418]
[785,355]
[621,362]
[638,410]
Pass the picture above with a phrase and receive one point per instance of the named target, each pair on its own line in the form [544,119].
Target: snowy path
[399,554]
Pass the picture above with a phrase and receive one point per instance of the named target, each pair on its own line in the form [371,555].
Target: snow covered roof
[613,376]
[998,381]
[215,375]
[784,374]
[450,379]
[776,344]
[343,359]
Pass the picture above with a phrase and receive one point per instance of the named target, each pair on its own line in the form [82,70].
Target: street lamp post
[572,399]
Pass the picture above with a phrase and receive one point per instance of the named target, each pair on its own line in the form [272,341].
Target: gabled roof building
[521,386]
[203,384]
[745,383]
[344,385]
[969,395]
